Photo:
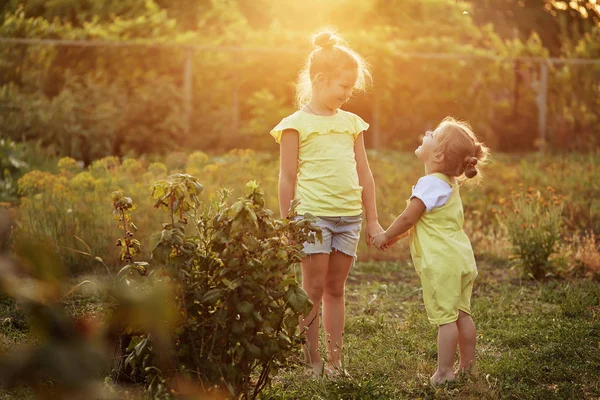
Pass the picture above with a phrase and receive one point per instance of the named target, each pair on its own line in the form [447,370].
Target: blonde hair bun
[325,40]
[330,56]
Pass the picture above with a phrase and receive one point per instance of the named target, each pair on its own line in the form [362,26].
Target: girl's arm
[402,224]
[288,169]
[365,179]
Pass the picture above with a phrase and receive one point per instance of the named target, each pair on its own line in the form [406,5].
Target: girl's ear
[320,80]
[438,157]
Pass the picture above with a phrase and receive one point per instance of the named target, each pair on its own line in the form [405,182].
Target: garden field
[533,221]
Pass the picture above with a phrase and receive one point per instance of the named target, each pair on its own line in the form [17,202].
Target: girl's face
[427,151]
[337,90]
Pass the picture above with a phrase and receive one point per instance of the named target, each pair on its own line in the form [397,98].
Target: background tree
[556,22]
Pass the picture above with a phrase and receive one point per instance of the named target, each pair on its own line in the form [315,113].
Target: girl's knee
[334,290]
[314,291]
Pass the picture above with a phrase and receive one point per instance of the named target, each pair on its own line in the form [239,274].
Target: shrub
[534,226]
[238,296]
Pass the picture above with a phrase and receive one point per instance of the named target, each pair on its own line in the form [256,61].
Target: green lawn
[535,341]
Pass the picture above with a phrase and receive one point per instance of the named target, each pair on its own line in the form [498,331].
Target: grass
[12,326]
[536,340]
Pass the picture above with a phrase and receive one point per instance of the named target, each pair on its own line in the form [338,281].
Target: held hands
[377,236]
[380,240]
[383,242]
[373,228]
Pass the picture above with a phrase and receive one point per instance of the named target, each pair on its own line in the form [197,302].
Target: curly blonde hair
[463,152]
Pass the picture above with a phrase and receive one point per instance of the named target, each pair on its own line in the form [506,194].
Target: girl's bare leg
[334,304]
[314,271]
[467,339]
[447,342]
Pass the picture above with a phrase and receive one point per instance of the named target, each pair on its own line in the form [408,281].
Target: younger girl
[324,165]
[439,247]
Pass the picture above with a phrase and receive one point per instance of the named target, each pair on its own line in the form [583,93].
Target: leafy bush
[16,159]
[534,226]
[93,117]
[588,255]
[238,296]
[581,255]
[68,207]
[11,165]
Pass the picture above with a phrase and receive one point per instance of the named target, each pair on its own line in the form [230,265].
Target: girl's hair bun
[325,40]
[470,169]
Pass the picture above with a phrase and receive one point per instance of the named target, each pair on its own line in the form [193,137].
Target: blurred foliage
[71,354]
[11,166]
[559,23]
[91,102]
[68,207]
[217,307]
[16,159]
[533,223]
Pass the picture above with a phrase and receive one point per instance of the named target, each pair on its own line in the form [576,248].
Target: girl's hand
[393,241]
[373,228]
[380,241]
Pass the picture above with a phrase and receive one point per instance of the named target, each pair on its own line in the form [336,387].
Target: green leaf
[212,296]
[285,338]
[237,327]
[161,253]
[252,349]
[245,308]
[297,299]
[236,283]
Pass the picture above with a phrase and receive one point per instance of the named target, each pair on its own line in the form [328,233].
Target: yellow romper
[444,260]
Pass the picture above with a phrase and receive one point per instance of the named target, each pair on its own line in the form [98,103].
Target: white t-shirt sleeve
[432,191]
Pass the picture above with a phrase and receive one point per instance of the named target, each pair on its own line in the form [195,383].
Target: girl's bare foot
[439,378]
[319,368]
[470,370]
[337,371]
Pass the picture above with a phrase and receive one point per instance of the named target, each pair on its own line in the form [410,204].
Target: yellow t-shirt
[327,181]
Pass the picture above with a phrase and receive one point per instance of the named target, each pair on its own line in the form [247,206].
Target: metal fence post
[187,89]
[542,103]
[235,104]
[376,112]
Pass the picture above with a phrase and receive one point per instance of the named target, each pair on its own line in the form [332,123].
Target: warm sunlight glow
[583,7]
[560,5]
[191,191]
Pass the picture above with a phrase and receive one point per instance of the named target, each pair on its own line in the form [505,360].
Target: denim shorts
[339,233]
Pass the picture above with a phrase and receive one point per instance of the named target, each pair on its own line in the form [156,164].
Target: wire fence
[188,74]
